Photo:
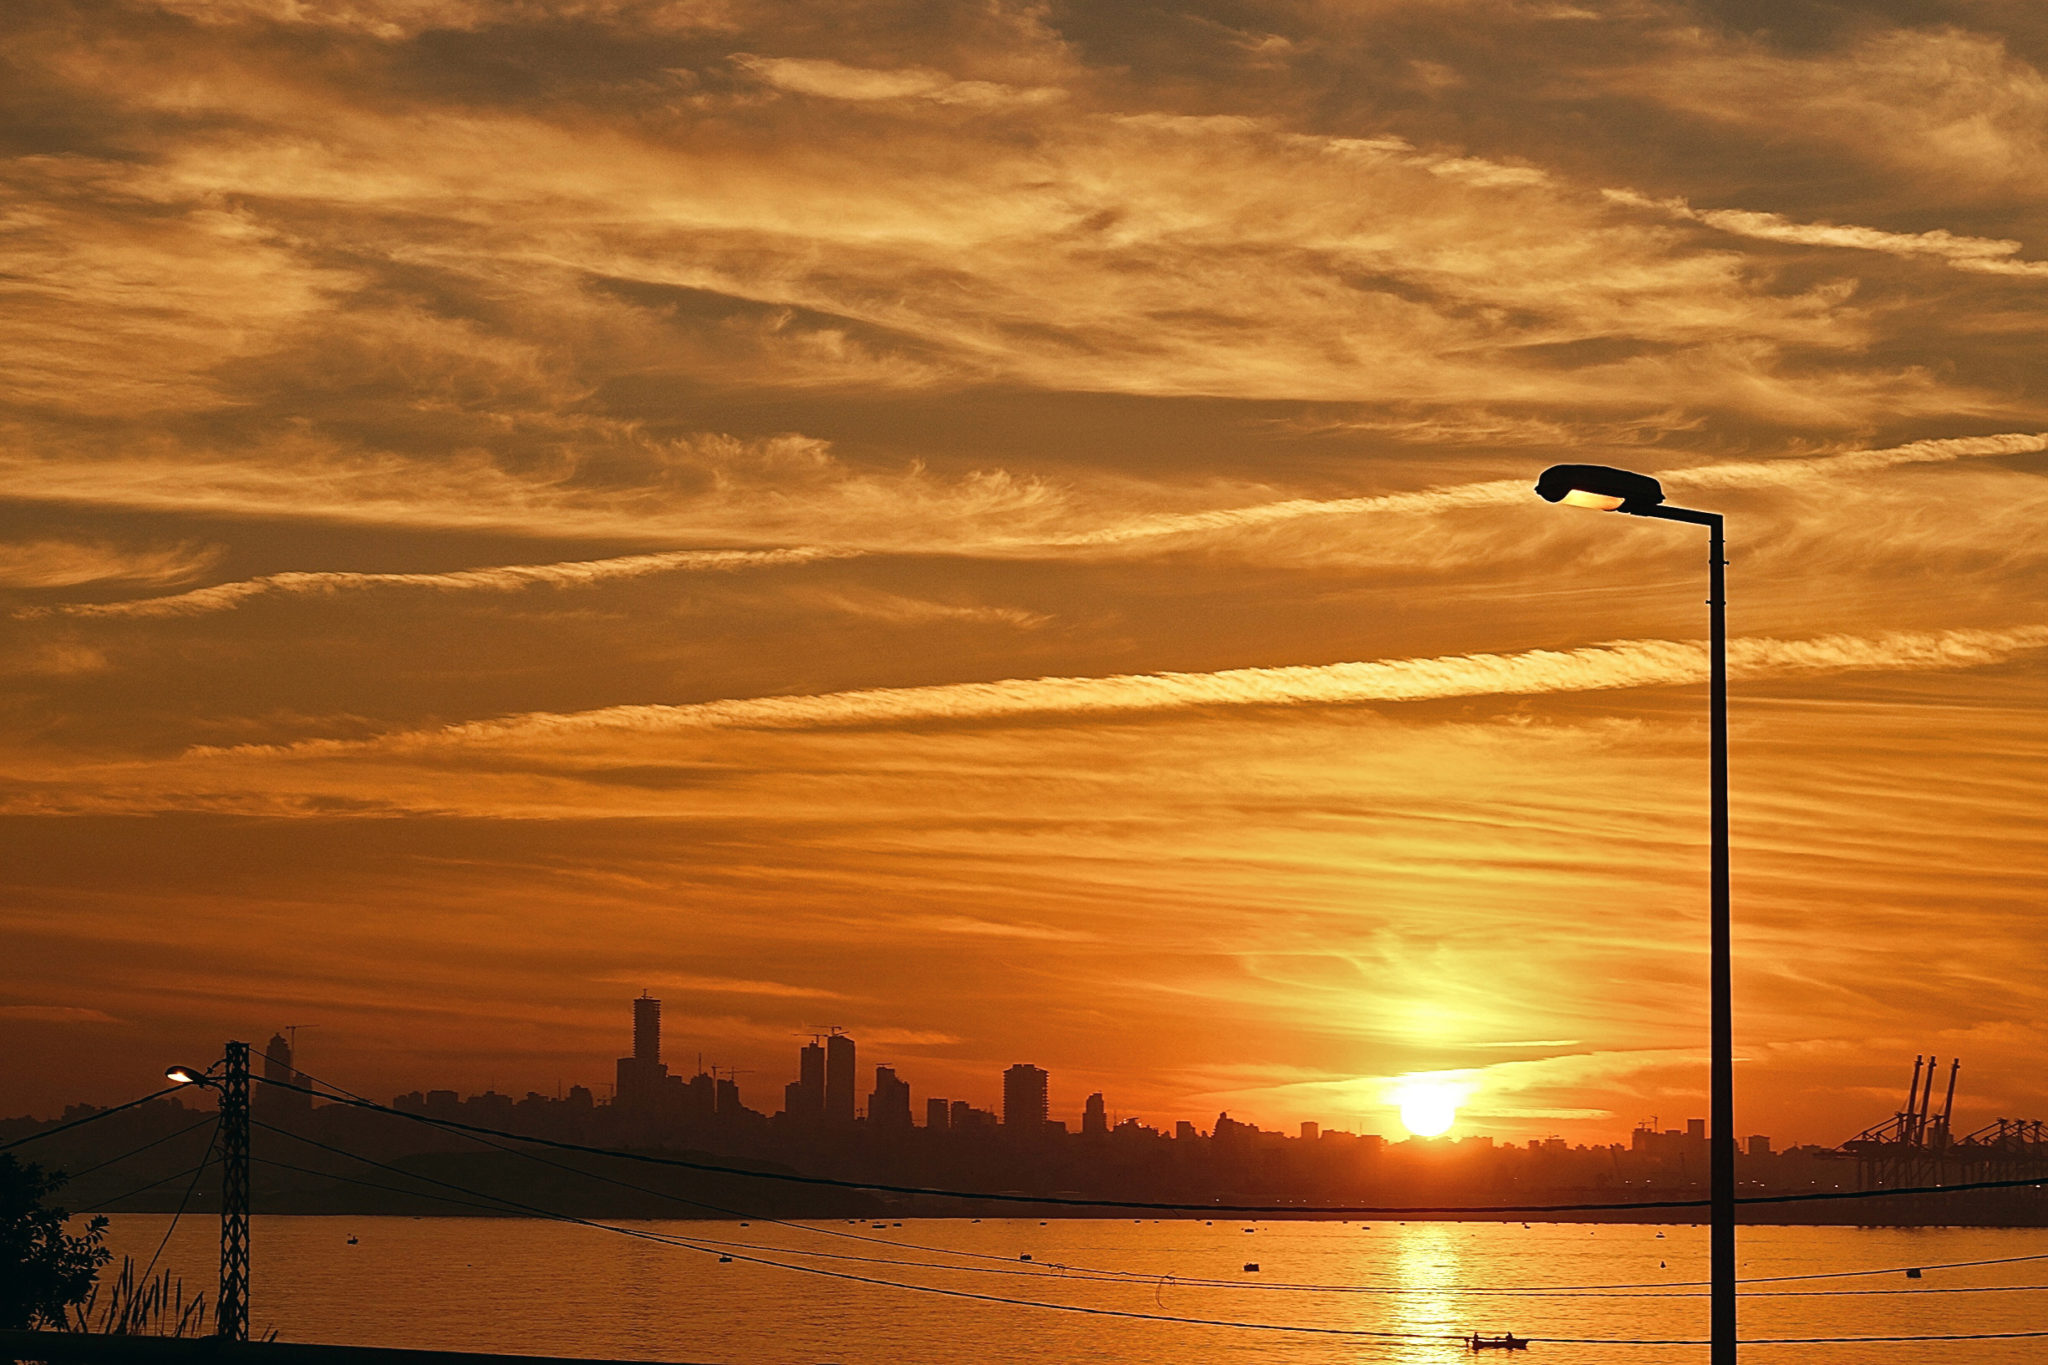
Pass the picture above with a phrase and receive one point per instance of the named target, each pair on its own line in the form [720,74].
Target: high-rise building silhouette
[699,1096]
[1094,1118]
[889,1104]
[839,1082]
[277,1067]
[803,1099]
[646,1030]
[935,1113]
[640,1076]
[1024,1107]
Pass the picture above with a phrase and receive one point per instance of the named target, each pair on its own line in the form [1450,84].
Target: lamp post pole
[1721,1159]
[1619,490]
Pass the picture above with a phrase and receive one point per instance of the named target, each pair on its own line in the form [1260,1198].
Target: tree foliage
[45,1271]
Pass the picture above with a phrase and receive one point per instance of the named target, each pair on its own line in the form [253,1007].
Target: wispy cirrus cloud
[1500,492]
[835,80]
[1627,663]
[1983,255]
[57,1014]
[725,985]
[500,578]
[70,563]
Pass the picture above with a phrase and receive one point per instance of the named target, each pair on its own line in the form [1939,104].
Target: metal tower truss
[232,1314]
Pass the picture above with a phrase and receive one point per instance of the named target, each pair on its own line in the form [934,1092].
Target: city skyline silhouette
[1009,532]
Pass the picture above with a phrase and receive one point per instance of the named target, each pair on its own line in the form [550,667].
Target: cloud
[57,1014]
[54,659]
[985,928]
[1501,492]
[392,20]
[725,985]
[834,80]
[501,578]
[1956,112]
[615,480]
[68,563]
[898,610]
[906,1037]
[1983,255]
[1623,664]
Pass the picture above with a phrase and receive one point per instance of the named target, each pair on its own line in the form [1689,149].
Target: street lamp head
[185,1075]
[1599,487]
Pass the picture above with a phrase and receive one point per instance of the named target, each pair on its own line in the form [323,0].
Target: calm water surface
[551,1288]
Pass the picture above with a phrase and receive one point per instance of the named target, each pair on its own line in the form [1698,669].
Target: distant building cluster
[824,1111]
[825,1098]
[825,1093]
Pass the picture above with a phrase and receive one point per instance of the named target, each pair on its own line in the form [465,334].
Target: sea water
[1154,1291]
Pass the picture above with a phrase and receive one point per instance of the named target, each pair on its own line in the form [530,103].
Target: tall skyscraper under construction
[640,1075]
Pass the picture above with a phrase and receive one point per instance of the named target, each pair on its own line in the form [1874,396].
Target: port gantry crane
[1917,1147]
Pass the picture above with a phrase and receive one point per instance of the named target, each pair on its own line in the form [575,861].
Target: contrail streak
[500,578]
[1500,492]
[1620,664]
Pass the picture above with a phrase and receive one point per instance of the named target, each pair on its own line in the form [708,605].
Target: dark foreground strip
[91,1348]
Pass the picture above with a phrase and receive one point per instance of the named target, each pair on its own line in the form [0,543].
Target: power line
[1075,1201]
[89,1118]
[1007,1266]
[689,1244]
[137,1151]
[482,1135]
[144,1189]
[204,1162]
[1054,1270]
[373,1184]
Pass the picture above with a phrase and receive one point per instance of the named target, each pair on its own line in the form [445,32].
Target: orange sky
[1006,528]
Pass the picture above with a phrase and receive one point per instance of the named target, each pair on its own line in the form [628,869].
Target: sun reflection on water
[1429,1261]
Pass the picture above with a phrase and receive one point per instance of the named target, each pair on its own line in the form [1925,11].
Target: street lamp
[1639,495]
[189,1075]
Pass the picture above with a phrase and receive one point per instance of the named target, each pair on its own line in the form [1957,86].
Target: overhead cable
[89,1118]
[473,1196]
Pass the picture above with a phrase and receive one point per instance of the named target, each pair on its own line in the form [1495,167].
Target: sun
[1429,1110]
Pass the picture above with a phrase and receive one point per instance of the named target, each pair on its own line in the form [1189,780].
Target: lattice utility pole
[231,1322]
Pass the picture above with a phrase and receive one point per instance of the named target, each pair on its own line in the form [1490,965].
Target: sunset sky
[1006,528]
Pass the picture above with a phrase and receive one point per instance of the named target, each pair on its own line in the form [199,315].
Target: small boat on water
[1505,1342]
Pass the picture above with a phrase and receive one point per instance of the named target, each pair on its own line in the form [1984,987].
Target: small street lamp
[1638,495]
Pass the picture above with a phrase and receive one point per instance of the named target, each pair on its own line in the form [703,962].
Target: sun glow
[1429,1108]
